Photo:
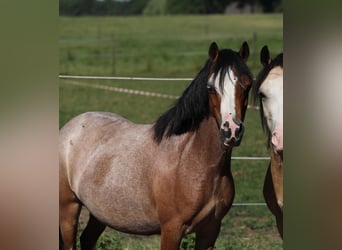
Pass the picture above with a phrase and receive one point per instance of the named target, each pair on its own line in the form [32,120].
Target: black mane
[277,61]
[189,110]
[193,106]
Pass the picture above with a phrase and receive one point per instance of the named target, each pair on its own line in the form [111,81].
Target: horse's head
[228,85]
[269,89]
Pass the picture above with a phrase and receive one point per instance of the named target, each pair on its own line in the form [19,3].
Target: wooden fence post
[255,53]
[113,54]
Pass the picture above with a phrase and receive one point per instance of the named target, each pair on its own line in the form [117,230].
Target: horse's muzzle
[277,140]
[231,138]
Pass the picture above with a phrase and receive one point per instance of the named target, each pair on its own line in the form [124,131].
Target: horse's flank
[137,178]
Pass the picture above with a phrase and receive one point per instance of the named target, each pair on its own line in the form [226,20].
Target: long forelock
[229,59]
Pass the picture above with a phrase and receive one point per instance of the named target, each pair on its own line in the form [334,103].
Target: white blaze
[272,89]
[227,97]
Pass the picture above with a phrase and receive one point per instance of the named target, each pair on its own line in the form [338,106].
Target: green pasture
[164,46]
[170,46]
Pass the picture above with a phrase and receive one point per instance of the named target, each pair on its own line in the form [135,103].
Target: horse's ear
[265,57]
[213,51]
[244,51]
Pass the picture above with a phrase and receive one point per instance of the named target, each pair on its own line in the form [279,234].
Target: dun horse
[172,177]
[268,88]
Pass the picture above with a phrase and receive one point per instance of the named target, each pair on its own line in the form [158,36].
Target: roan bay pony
[172,177]
[268,88]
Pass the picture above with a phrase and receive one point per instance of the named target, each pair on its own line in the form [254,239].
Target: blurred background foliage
[164,7]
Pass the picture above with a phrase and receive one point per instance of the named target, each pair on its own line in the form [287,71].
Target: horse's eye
[211,89]
[262,96]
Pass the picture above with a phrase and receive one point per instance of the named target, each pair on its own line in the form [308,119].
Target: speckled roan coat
[172,177]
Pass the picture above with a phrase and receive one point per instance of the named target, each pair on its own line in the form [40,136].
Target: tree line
[159,7]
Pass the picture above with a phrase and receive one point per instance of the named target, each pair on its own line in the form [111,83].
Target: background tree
[159,7]
[87,7]
[196,6]
[269,6]
[155,7]
[70,7]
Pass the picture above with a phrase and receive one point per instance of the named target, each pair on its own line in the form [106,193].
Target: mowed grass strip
[170,47]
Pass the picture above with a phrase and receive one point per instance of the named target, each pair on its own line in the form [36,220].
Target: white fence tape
[248,204]
[125,78]
[129,91]
[123,90]
[250,158]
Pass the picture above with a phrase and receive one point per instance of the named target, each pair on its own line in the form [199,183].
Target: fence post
[206,29]
[99,35]
[113,53]
[255,47]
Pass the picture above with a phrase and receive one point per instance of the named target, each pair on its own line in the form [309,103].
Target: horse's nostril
[239,132]
[226,133]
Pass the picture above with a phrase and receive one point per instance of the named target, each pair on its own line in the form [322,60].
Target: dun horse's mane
[193,106]
[277,61]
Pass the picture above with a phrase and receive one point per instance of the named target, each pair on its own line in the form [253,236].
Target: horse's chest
[222,202]
[224,196]
[215,207]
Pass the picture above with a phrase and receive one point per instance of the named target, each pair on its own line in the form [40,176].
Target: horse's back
[86,130]
[89,120]
[104,159]
[98,138]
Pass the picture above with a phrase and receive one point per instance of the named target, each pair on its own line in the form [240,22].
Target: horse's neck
[206,143]
[203,146]
[277,176]
[276,160]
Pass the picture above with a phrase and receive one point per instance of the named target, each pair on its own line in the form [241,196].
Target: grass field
[170,47]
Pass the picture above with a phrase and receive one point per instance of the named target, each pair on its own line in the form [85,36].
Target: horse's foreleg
[68,220]
[171,235]
[91,233]
[69,211]
[206,238]
[271,201]
[279,220]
